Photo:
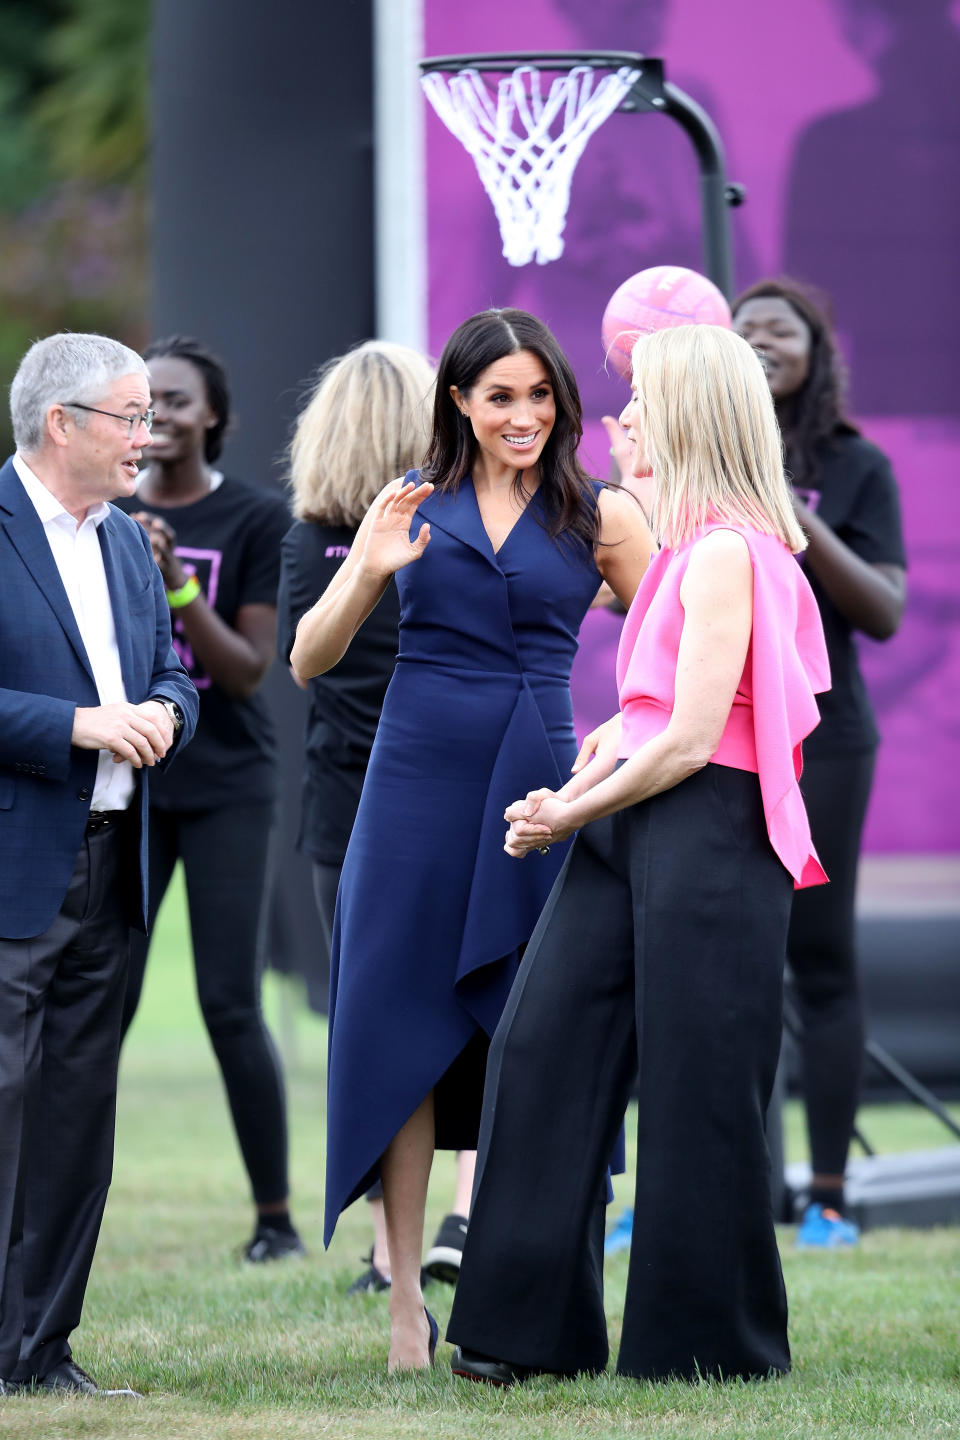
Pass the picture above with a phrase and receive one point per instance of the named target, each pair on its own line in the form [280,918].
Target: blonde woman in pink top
[662,944]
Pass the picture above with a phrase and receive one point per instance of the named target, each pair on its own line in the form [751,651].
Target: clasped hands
[163,539]
[545,817]
[140,733]
[536,823]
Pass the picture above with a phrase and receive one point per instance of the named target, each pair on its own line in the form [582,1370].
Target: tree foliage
[93,113]
[73,150]
[24,28]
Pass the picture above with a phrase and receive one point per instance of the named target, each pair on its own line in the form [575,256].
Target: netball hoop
[526,142]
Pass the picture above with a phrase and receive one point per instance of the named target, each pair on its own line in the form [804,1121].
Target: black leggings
[224,853]
[821,949]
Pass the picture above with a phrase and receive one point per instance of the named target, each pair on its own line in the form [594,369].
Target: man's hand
[141,734]
[156,711]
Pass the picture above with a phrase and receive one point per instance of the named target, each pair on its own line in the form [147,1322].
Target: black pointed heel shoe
[434,1335]
[472,1366]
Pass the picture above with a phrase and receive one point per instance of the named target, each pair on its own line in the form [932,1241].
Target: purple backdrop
[842,118]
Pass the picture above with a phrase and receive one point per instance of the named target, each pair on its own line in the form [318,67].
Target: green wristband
[188,591]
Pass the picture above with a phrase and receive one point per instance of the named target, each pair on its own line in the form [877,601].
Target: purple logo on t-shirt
[810,498]
[205,564]
[336,552]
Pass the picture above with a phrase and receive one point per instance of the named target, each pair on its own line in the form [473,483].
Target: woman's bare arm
[382,547]
[626,544]
[870,596]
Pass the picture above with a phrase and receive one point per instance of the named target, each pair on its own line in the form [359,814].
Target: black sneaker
[374,1282]
[371,1282]
[444,1255]
[269,1243]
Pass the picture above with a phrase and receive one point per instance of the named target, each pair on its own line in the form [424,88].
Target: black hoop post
[650,92]
[715,194]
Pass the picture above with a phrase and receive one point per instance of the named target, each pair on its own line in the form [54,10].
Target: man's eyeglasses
[132,422]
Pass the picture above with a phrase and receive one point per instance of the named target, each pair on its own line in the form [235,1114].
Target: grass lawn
[226,1350]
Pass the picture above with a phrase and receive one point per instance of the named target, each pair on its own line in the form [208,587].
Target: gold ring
[544,849]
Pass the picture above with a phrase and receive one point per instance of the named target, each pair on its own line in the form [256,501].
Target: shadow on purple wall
[873,209]
[873,216]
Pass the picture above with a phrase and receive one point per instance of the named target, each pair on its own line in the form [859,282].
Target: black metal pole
[911,1084]
[262,239]
[714,191]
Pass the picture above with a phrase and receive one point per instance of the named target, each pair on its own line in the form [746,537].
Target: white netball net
[526,147]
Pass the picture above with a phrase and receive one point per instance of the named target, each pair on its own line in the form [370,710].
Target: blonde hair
[706,416]
[366,423]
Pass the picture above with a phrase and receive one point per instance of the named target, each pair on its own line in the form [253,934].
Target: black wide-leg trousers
[661,947]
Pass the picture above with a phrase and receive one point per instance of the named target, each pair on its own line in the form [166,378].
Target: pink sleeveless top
[774,707]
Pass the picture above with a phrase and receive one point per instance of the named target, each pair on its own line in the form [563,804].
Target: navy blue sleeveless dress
[431,912]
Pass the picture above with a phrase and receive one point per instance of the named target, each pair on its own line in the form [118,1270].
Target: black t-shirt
[231,541]
[853,492]
[345,703]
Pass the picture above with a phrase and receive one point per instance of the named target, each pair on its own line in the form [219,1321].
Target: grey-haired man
[92,695]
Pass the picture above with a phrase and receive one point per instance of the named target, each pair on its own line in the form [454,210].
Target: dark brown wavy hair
[818,407]
[569,504]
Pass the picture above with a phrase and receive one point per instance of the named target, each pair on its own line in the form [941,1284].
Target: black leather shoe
[69,1376]
[472,1366]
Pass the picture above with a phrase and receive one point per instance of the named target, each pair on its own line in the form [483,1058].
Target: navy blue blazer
[45,782]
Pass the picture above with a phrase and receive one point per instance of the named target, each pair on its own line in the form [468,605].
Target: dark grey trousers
[61,999]
[661,948]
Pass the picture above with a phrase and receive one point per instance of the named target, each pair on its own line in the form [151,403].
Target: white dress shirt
[79,559]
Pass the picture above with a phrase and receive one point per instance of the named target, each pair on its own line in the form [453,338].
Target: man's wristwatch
[176,715]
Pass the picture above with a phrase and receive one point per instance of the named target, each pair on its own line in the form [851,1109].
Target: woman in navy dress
[499,543]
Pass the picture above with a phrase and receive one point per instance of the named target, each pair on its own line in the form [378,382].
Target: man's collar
[45,503]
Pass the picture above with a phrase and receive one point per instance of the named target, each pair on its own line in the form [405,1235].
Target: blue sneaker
[621,1235]
[822,1229]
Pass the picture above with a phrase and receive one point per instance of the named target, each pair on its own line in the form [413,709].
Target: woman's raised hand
[621,448]
[622,453]
[388,547]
